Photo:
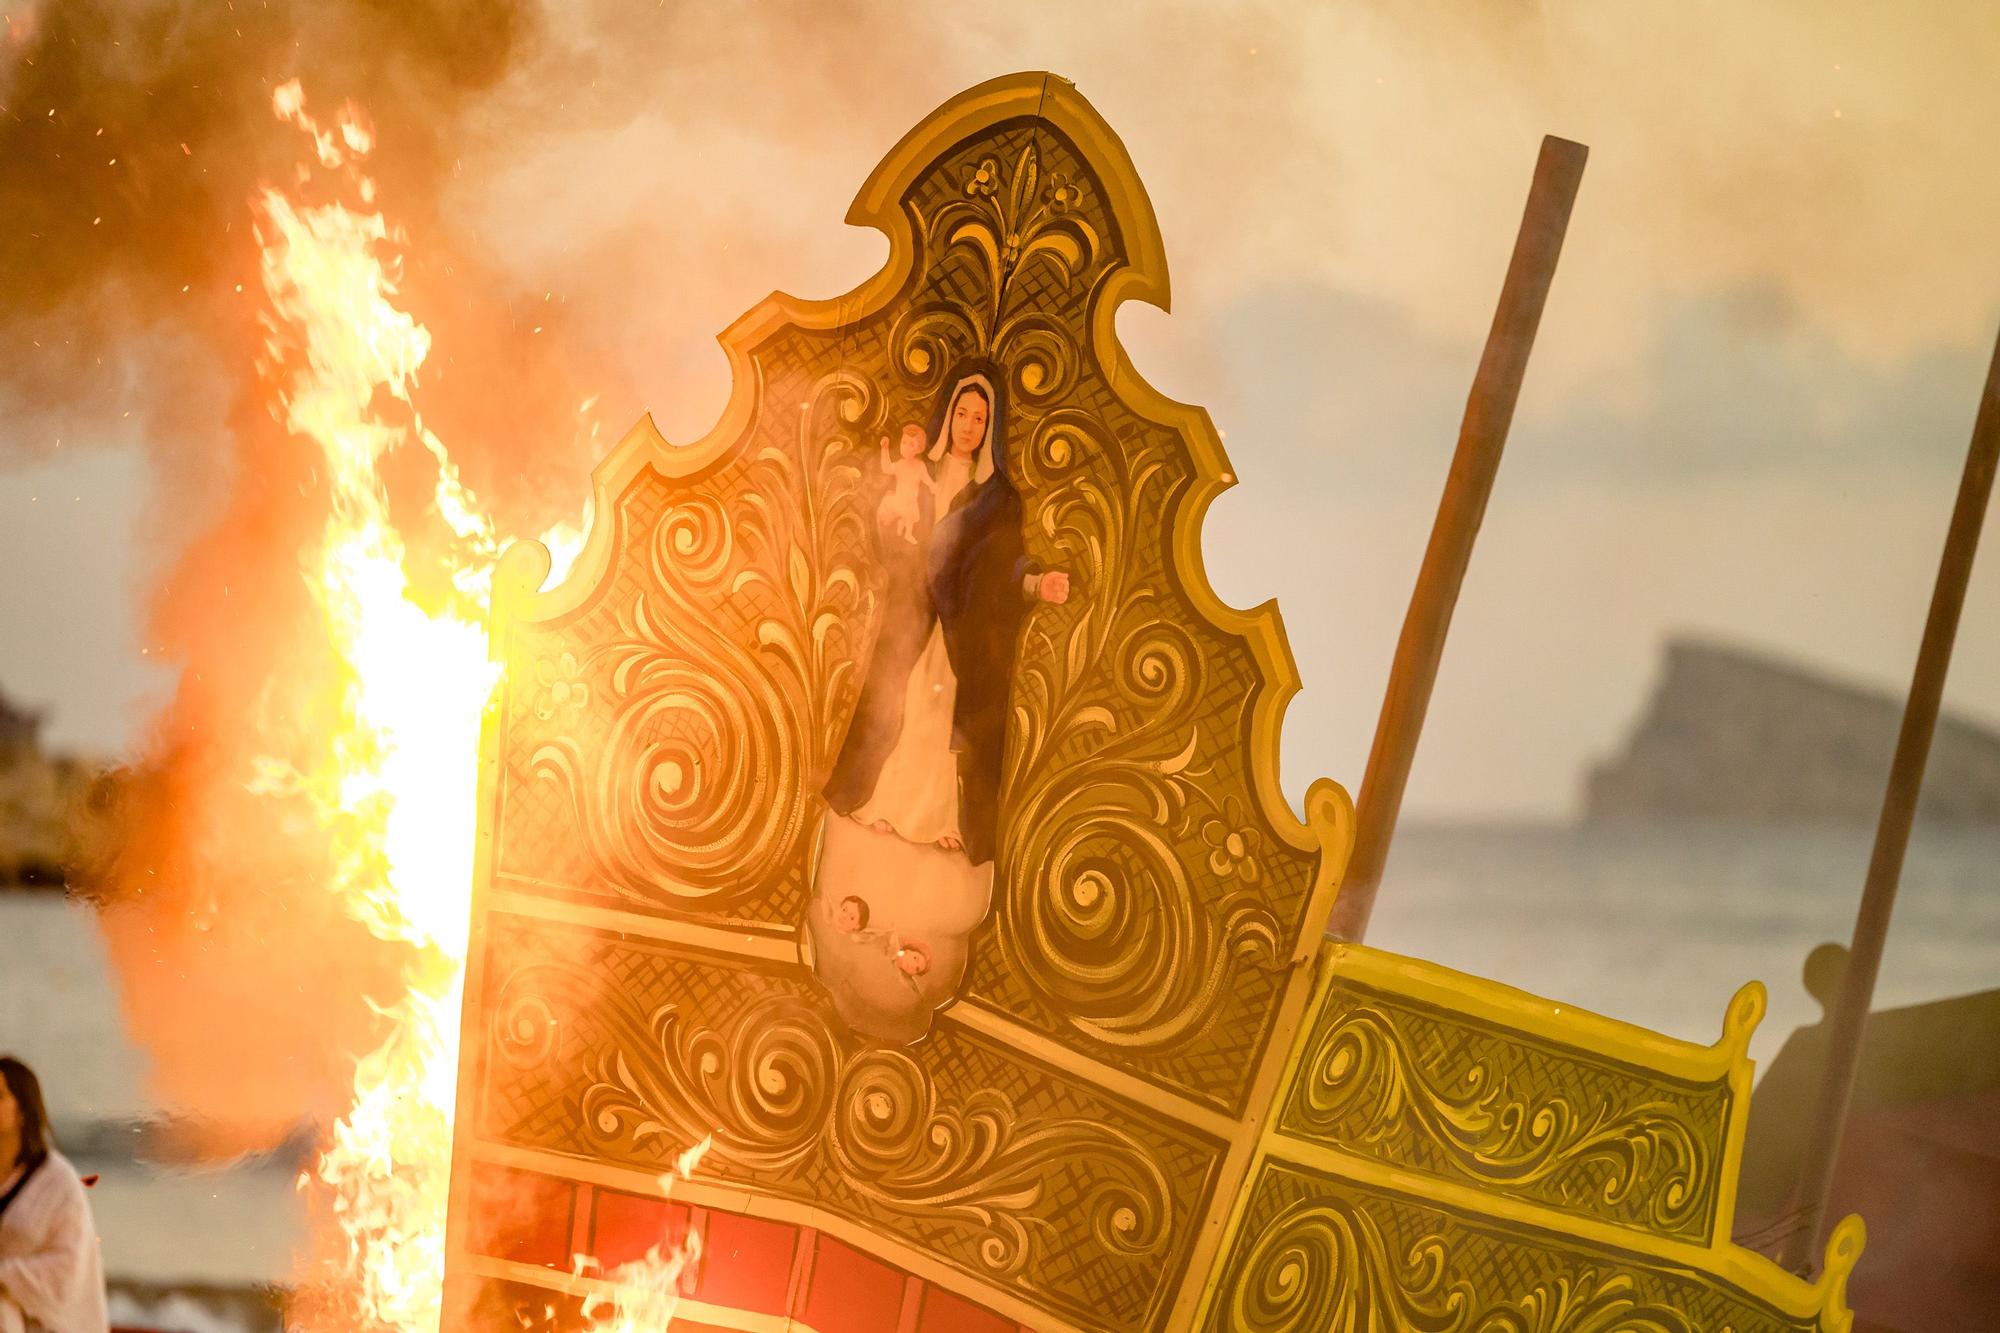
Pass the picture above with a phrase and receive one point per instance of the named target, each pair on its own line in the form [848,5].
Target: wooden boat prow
[1152,1096]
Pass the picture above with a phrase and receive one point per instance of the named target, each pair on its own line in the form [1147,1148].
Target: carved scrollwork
[929,338]
[1478,1108]
[971,1160]
[721,677]
[1324,1254]
[1326,1264]
[761,1086]
[783,1100]
[1108,787]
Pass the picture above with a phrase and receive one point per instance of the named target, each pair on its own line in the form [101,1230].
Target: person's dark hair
[974,387]
[26,1090]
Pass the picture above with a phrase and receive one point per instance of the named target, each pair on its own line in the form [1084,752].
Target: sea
[1653,925]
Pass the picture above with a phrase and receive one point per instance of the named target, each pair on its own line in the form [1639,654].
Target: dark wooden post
[1892,833]
[1489,411]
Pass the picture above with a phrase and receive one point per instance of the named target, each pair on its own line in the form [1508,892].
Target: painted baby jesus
[910,478]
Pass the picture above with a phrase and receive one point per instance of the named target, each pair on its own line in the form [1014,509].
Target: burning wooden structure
[1105,1074]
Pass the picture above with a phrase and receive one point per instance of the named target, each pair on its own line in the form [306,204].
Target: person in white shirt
[51,1277]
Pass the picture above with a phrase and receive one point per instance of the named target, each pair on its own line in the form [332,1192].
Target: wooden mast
[1489,411]
[1892,833]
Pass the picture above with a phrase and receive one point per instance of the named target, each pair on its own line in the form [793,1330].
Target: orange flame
[395,786]
[642,1296]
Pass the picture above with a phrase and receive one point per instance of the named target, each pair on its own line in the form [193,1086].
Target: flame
[645,1293]
[642,1296]
[395,784]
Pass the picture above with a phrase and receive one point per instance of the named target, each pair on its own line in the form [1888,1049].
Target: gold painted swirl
[725,674]
[1100,916]
[1364,1087]
[777,1093]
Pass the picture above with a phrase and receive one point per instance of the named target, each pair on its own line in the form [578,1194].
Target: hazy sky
[1745,416]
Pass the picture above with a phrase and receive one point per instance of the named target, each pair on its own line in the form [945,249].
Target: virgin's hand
[1055,586]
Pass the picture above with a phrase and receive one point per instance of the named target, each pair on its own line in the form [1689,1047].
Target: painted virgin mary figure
[906,859]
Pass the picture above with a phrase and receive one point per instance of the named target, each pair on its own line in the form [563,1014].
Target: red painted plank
[629,1226]
[946,1312]
[746,1262]
[852,1292]
[521,1215]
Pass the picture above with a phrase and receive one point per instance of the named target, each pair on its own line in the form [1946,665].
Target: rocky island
[38,792]
[1733,734]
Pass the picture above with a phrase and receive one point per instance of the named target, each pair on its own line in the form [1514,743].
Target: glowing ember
[395,786]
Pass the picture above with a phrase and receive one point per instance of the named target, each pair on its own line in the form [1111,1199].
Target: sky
[1744,417]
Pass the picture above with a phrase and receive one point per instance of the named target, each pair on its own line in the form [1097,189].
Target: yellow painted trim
[974,1016]
[1748,998]
[1726,1059]
[1549,1020]
[1754,1276]
[1587,1033]
[471,1072]
[764,944]
[504,880]
[1199,1292]
[1263,1101]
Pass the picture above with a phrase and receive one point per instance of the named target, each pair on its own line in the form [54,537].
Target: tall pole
[1892,833]
[1489,411]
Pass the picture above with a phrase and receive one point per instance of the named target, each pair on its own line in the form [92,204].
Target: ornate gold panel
[628,1051]
[1450,1155]
[1329,1253]
[886,795]
[664,737]
[1463,1098]
[687,693]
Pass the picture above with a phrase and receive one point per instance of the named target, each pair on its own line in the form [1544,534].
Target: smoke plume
[135,136]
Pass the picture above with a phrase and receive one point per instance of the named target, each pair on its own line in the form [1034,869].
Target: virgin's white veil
[982,467]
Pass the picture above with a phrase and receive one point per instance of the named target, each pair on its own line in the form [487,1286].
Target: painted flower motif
[984,179]
[1232,844]
[1062,193]
[562,687]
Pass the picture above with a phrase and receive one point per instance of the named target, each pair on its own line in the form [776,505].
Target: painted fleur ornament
[560,686]
[1016,219]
